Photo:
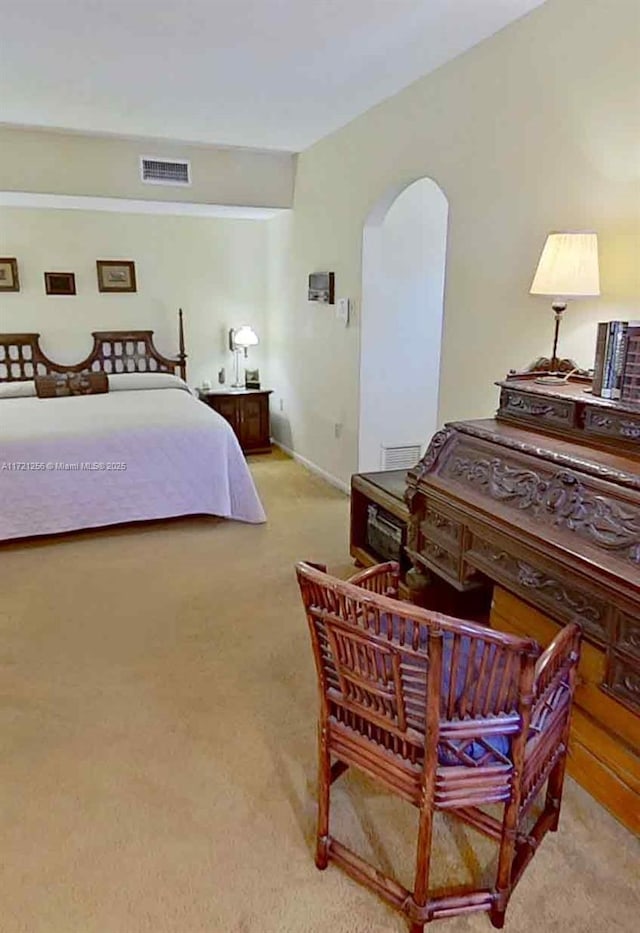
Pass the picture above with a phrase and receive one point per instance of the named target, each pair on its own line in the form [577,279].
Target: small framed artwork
[9,281]
[60,283]
[322,287]
[252,378]
[116,275]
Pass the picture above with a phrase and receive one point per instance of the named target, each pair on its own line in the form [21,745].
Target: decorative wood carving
[569,409]
[624,682]
[439,555]
[531,406]
[441,526]
[428,461]
[561,499]
[615,425]
[532,444]
[568,601]
[628,639]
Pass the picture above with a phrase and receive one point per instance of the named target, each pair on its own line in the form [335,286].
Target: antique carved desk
[542,503]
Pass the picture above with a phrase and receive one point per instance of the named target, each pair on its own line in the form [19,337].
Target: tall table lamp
[568,268]
[240,340]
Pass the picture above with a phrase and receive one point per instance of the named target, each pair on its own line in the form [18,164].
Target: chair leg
[423,861]
[324,788]
[505,862]
[555,787]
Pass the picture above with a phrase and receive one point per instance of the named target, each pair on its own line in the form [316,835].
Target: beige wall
[214,269]
[52,162]
[536,129]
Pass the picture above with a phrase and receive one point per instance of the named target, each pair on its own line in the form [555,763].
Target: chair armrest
[555,674]
[381,578]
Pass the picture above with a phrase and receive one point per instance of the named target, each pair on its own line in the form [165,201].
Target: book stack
[617,364]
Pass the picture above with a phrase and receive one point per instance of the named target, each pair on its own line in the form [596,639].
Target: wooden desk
[553,517]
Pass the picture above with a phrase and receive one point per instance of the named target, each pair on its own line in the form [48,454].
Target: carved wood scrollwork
[614,425]
[624,682]
[573,603]
[628,634]
[562,500]
[440,556]
[426,464]
[531,407]
[441,526]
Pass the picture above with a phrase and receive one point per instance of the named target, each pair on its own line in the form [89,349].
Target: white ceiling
[276,74]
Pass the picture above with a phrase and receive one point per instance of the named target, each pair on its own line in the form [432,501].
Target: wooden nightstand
[247,411]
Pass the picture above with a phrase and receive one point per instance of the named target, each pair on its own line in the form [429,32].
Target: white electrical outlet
[337,429]
[281,404]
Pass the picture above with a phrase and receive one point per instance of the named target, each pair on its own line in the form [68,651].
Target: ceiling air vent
[165,171]
[399,458]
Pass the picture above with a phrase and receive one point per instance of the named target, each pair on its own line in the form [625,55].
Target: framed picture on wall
[116,275]
[9,281]
[60,283]
[322,287]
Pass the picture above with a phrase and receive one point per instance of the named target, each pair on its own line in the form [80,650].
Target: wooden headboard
[114,351]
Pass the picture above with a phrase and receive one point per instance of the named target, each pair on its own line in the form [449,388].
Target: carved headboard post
[182,356]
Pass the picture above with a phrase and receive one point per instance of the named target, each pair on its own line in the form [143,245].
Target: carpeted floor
[157,726]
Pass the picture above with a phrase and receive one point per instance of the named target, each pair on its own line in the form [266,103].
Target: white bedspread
[86,461]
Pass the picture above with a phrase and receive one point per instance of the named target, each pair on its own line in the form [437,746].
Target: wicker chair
[446,714]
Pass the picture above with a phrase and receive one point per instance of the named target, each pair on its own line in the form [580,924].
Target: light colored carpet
[157,726]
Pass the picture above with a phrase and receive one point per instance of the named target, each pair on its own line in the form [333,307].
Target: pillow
[64,384]
[52,386]
[88,383]
[129,382]
[26,389]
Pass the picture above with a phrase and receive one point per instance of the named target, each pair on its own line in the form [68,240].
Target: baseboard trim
[313,468]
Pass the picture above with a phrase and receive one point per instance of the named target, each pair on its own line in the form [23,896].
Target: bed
[145,449]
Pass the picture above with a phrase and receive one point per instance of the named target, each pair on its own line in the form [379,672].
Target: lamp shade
[568,266]
[245,337]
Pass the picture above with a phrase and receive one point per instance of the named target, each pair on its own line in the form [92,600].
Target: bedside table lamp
[239,340]
[568,268]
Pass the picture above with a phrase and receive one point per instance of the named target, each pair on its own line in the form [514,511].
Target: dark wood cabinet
[247,411]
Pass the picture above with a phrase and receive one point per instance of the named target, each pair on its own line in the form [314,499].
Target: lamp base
[556,367]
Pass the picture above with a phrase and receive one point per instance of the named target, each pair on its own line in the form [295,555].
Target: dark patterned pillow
[60,384]
[88,383]
[52,386]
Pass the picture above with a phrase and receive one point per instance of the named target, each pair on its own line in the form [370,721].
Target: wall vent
[154,171]
[399,458]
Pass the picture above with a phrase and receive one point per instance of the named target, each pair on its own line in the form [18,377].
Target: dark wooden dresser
[247,411]
[542,506]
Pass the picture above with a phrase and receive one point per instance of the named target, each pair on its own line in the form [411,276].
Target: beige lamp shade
[568,266]
[245,337]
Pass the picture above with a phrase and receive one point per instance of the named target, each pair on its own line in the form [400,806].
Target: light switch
[342,310]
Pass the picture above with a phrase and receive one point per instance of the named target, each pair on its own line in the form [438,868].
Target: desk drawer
[439,526]
[529,576]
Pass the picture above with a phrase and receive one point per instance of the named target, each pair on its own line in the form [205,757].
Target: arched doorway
[403,269]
